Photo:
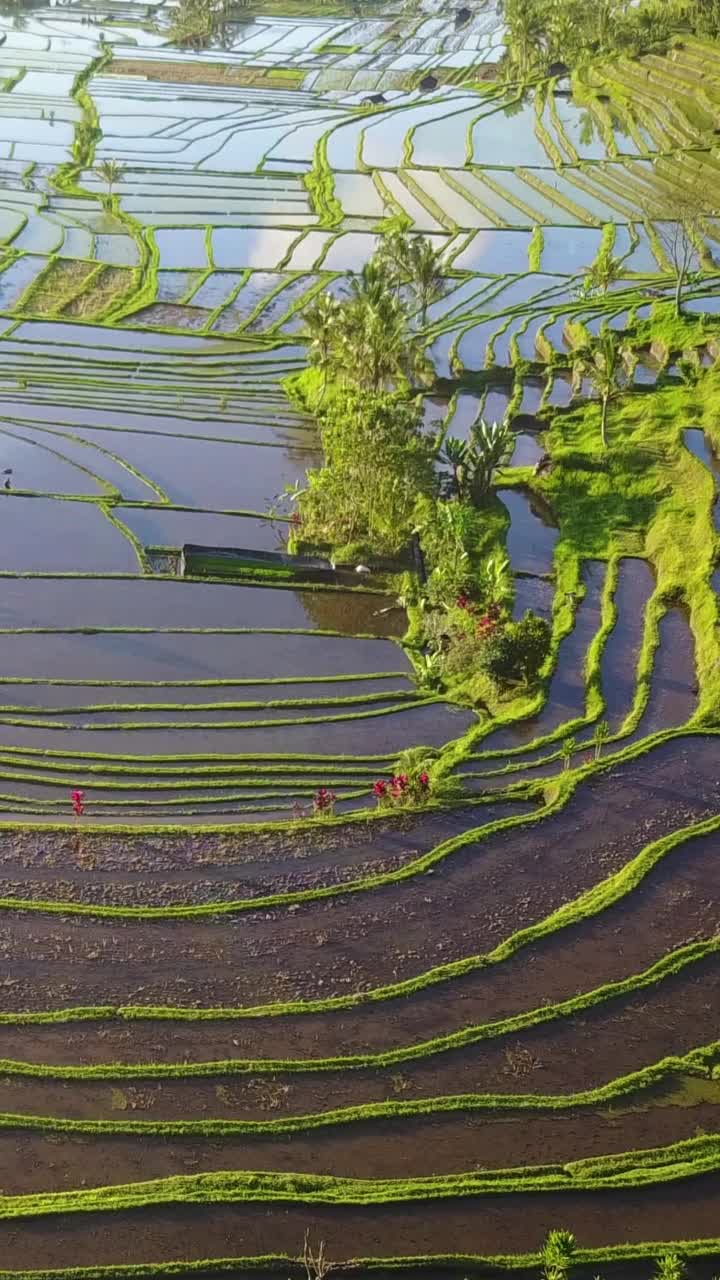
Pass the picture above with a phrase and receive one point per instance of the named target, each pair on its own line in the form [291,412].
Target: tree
[320,323]
[195,22]
[414,262]
[606,268]
[603,364]
[681,231]
[111,172]
[426,274]
[543,34]
[602,733]
[378,463]
[704,16]
[374,345]
[364,339]
[475,461]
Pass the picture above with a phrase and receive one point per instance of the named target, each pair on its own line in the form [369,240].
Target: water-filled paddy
[147,408]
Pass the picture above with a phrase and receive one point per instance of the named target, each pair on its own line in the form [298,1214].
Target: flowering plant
[324,802]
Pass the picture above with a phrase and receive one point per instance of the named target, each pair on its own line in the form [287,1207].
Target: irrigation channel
[424,1037]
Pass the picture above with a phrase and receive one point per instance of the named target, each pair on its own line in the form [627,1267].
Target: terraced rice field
[428,1037]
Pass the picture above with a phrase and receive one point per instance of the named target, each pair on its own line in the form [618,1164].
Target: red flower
[463,600]
[324,800]
[380,789]
[486,625]
[424,781]
[399,785]
[78,801]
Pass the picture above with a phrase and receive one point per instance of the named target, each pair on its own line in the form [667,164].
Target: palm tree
[426,277]
[321,322]
[413,261]
[567,751]
[603,365]
[374,283]
[394,254]
[112,172]
[374,345]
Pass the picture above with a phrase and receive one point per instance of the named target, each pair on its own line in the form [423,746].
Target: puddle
[496,252]
[149,603]
[174,528]
[466,412]
[536,594]
[216,475]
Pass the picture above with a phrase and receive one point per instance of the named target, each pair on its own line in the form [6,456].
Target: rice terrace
[360,639]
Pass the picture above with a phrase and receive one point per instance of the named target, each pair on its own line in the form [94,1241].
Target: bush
[517,651]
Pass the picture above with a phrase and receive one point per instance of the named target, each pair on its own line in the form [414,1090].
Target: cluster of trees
[378,462]
[368,354]
[380,483]
[545,35]
[195,23]
[372,335]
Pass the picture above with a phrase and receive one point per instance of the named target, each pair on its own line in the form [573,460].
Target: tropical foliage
[603,365]
[377,464]
[547,34]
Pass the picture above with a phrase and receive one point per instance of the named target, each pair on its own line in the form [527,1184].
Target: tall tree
[413,262]
[321,320]
[426,274]
[603,365]
[681,229]
[111,172]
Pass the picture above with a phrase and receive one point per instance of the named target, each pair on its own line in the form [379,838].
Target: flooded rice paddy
[519,978]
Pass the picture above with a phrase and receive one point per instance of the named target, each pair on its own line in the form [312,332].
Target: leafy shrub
[516,651]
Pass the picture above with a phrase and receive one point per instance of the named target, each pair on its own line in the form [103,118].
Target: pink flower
[78,802]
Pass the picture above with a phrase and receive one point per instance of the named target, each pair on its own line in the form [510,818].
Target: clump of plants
[414,782]
[479,645]
[324,802]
